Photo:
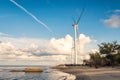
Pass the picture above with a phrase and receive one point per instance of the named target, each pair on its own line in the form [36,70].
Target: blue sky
[57,15]
[25,34]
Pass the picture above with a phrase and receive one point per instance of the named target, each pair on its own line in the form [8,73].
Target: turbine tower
[75,26]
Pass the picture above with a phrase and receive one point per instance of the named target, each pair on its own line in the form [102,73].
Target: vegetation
[108,55]
[95,59]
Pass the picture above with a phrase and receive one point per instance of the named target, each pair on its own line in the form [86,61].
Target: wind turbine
[75,26]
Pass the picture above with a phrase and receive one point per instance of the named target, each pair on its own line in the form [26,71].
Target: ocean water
[47,74]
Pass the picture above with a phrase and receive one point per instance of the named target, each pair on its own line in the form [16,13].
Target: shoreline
[88,73]
[32,73]
[76,71]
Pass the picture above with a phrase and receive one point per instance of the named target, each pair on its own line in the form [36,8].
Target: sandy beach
[87,73]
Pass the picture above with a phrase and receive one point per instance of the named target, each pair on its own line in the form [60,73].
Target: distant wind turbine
[30,14]
[75,25]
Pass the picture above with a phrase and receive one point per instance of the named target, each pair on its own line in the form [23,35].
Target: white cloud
[3,34]
[114,20]
[83,40]
[85,44]
[60,46]
[53,51]
[117,11]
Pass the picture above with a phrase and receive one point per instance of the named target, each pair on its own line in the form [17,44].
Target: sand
[87,73]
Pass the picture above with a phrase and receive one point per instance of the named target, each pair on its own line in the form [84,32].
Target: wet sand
[87,73]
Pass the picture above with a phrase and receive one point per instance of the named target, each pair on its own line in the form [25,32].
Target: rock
[33,70]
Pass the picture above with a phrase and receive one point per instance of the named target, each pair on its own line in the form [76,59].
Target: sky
[41,31]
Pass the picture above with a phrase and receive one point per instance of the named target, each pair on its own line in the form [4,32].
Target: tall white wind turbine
[75,26]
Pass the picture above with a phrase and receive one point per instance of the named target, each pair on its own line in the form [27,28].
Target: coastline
[88,73]
[18,73]
[68,72]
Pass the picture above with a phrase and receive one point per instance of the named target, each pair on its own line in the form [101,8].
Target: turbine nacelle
[75,25]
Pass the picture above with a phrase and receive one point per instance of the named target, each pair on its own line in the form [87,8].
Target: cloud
[3,34]
[117,11]
[30,14]
[114,20]
[43,51]
[83,40]
[60,46]
[85,44]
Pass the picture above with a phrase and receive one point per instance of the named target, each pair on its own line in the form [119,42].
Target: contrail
[30,14]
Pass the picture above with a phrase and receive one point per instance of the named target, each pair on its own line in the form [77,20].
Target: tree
[95,59]
[117,59]
[109,49]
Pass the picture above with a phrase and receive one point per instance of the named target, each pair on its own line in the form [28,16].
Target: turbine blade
[73,20]
[80,15]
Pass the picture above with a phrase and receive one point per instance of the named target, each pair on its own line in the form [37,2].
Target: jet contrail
[30,14]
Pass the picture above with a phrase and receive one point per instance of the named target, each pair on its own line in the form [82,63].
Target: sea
[47,74]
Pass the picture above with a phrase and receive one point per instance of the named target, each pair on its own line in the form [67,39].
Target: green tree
[109,49]
[95,59]
[117,59]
